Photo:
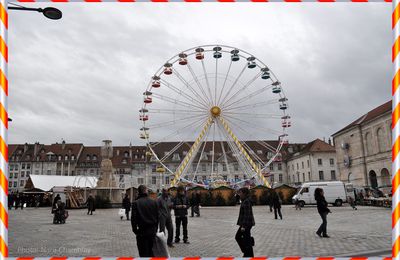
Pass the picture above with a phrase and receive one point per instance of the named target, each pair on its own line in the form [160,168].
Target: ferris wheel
[214,111]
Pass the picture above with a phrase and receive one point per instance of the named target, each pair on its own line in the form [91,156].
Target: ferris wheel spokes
[184,81]
[176,121]
[199,84]
[174,101]
[249,96]
[258,104]
[223,85]
[253,125]
[234,83]
[180,92]
[243,88]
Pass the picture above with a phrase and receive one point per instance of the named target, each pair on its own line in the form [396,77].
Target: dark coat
[276,202]
[164,207]
[90,202]
[126,203]
[144,218]
[246,218]
[195,201]
[181,200]
[322,205]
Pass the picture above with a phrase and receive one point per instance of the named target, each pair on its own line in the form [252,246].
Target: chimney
[329,141]
[36,148]
[25,147]
[63,145]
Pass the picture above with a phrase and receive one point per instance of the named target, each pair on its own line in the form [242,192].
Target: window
[176,157]
[11,167]
[331,161]
[203,167]
[321,175]
[204,178]
[225,177]
[272,179]
[319,161]
[94,158]
[11,175]
[21,184]
[279,166]
[28,166]
[236,177]
[16,167]
[333,175]
[304,190]
[302,165]
[140,181]
[66,158]
[304,177]
[259,152]
[154,167]
[153,180]
[27,174]
[381,140]
[37,172]
[280,178]
[48,172]
[124,161]
[271,167]
[15,184]
[309,176]
[22,174]
[224,167]
[23,166]
[87,157]
[368,141]
[72,157]
[59,157]
[167,180]
[292,167]
[308,163]
[236,166]
[298,177]
[10,184]
[297,166]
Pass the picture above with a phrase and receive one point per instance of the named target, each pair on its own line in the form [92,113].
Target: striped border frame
[4,132]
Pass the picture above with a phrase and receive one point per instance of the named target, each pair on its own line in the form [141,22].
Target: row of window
[15,175]
[319,161]
[321,176]
[15,184]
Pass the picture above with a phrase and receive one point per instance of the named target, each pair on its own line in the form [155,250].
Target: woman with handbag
[323,211]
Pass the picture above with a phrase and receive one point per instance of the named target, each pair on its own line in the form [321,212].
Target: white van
[334,192]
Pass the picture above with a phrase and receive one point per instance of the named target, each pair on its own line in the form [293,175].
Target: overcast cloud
[81,78]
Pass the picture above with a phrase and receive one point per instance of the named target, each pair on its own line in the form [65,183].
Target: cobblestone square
[366,231]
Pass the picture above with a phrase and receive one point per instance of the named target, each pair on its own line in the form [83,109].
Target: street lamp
[49,12]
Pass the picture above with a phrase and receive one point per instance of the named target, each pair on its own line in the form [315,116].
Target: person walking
[181,205]
[144,221]
[276,202]
[323,211]
[245,222]
[165,204]
[352,202]
[126,203]
[195,204]
[10,200]
[90,204]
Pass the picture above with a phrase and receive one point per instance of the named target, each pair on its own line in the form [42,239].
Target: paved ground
[353,233]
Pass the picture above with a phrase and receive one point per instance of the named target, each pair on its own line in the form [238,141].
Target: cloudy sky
[81,78]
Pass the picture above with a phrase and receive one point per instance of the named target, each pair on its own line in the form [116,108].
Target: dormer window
[126,154]
[124,161]
[72,157]
[66,158]
[59,157]
[88,157]
[176,157]
[94,158]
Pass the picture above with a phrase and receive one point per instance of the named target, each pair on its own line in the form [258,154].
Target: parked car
[334,192]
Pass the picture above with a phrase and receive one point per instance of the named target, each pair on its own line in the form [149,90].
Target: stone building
[316,161]
[363,148]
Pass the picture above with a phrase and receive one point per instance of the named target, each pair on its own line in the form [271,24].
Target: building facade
[316,161]
[363,149]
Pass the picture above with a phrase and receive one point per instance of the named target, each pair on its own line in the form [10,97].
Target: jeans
[322,228]
[244,241]
[127,213]
[184,221]
[166,222]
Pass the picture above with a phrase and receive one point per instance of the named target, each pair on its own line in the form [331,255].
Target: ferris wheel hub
[215,111]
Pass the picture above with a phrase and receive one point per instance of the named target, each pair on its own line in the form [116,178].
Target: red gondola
[148,100]
[182,59]
[199,53]
[144,117]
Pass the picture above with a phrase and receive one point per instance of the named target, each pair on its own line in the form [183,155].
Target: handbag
[160,245]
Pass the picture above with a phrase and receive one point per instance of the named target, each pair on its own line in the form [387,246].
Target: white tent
[47,182]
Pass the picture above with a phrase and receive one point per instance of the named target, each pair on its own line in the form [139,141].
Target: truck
[334,192]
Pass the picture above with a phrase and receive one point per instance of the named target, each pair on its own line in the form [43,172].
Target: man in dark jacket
[195,204]
[181,205]
[144,221]
[245,223]
[126,203]
[276,201]
[164,210]
[90,204]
